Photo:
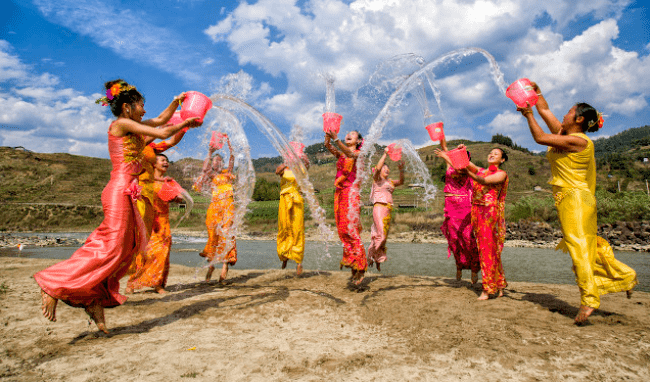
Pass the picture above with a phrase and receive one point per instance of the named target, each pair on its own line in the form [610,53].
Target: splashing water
[290,157]
[407,85]
[189,204]
[330,99]
[418,170]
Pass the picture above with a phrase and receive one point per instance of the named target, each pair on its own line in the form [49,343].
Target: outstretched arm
[331,148]
[568,143]
[231,161]
[496,178]
[400,166]
[167,113]
[124,126]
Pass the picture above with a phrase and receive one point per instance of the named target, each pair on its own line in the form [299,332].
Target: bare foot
[500,294]
[96,313]
[583,314]
[298,269]
[202,254]
[474,277]
[128,290]
[224,272]
[208,275]
[484,296]
[284,264]
[629,293]
[359,278]
[160,290]
[459,274]
[48,306]
[378,267]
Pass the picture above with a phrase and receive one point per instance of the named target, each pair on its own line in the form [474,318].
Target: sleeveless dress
[291,226]
[94,271]
[457,226]
[574,188]
[381,196]
[347,202]
[219,219]
[489,224]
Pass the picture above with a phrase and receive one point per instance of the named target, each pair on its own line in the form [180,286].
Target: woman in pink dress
[457,226]
[91,277]
[488,219]
[347,201]
[381,196]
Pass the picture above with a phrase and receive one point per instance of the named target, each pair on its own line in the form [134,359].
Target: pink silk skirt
[457,228]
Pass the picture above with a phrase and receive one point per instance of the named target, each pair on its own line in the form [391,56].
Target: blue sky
[55,56]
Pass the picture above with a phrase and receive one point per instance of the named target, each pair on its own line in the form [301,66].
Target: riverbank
[272,326]
[623,236]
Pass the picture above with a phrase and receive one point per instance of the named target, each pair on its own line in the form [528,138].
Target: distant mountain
[630,139]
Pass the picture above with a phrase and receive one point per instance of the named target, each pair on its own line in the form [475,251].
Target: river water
[536,265]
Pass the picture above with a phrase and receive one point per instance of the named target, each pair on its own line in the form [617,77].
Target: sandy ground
[272,326]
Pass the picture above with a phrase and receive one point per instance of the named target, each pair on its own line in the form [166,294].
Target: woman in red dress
[90,278]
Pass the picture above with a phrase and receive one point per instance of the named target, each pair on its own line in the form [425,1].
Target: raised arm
[400,166]
[205,171]
[348,152]
[380,164]
[176,138]
[443,154]
[554,125]
[167,113]
[568,143]
[231,161]
[331,148]
[124,126]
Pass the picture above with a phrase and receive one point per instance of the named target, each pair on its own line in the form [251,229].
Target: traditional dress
[347,202]
[146,181]
[574,188]
[489,224]
[94,271]
[153,265]
[457,226]
[381,196]
[291,225]
[219,219]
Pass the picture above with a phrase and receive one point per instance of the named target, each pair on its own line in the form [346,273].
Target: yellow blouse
[288,183]
[573,170]
[222,185]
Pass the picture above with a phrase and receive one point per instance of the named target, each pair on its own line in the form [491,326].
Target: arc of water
[280,143]
[377,126]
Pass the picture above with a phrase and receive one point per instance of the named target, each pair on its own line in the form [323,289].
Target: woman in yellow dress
[573,168]
[291,224]
[219,219]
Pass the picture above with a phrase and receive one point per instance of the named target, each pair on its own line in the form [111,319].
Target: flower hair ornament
[113,92]
[600,121]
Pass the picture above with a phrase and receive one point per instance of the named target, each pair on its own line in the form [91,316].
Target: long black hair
[590,115]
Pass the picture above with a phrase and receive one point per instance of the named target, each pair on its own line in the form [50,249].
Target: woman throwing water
[221,212]
[573,168]
[381,196]
[91,277]
[347,201]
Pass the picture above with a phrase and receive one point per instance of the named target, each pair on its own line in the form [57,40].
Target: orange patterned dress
[153,266]
[489,224]
[221,244]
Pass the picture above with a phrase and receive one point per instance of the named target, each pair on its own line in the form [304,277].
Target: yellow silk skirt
[291,227]
[597,271]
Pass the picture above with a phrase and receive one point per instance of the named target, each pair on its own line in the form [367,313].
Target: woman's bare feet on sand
[224,272]
[378,267]
[629,293]
[358,279]
[298,269]
[160,290]
[284,263]
[484,296]
[48,306]
[583,314]
[500,293]
[474,277]
[128,290]
[96,313]
[459,274]
[208,275]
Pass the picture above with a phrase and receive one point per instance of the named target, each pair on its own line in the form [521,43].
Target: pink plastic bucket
[459,158]
[176,118]
[169,190]
[217,140]
[297,147]
[436,131]
[195,104]
[332,122]
[395,152]
[521,91]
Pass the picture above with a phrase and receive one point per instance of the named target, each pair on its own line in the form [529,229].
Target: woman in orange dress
[90,278]
[154,267]
[221,244]
[347,201]
[488,219]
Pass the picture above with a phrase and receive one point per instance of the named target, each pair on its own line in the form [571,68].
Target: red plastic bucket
[169,190]
[176,118]
[297,147]
[395,152]
[436,131]
[332,122]
[521,91]
[217,140]
[458,157]
[195,104]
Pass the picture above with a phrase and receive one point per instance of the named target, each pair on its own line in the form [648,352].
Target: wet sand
[271,326]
